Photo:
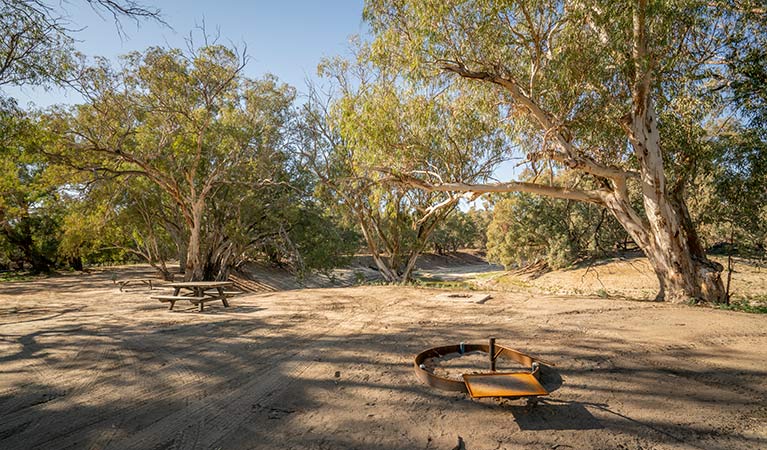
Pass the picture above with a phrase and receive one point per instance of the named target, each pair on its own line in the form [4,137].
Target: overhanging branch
[569,154]
[589,196]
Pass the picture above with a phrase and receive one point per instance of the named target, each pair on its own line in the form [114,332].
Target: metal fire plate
[503,385]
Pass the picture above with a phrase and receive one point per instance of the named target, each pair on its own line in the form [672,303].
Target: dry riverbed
[83,365]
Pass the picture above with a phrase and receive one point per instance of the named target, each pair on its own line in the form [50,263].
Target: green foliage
[320,243]
[36,43]
[736,207]
[30,210]
[183,157]
[461,230]
[36,47]
[739,172]
[119,222]
[527,228]
[745,305]
[381,125]
[747,65]
[580,86]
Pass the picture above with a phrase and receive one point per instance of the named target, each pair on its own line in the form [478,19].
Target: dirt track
[85,366]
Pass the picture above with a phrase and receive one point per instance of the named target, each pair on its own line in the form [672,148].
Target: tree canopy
[189,151]
[37,45]
[377,120]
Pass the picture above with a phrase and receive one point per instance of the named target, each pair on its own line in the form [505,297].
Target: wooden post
[491,352]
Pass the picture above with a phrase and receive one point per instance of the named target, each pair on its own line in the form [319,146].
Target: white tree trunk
[681,274]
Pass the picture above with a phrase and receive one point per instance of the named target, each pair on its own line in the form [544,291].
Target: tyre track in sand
[91,430]
[206,422]
[27,417]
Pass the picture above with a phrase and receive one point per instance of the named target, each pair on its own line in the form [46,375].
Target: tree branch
[569,154]
[590,196]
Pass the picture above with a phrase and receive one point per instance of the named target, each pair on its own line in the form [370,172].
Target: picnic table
[198,292]
[125,282]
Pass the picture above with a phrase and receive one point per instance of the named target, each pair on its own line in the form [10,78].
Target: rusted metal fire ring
[447,384]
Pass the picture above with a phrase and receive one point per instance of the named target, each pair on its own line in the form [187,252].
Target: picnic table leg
[223,297]
[176,291]
[172,302]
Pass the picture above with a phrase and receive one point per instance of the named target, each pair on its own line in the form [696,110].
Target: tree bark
[672,246]
[194,263]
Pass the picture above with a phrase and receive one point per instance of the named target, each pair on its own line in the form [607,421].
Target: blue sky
[285,37]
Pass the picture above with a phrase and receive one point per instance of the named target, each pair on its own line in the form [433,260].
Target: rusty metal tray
[503,385]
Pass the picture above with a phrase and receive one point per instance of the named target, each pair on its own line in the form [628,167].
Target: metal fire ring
[448,384]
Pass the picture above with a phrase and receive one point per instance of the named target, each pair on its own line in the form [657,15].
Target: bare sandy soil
[84,366]
[628,277]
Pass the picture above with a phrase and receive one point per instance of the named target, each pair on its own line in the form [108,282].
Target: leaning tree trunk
[682,272]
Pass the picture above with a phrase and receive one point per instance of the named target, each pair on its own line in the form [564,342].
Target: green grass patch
[754,305]
[439,283]
[512,281]
[447,285]
[489,275]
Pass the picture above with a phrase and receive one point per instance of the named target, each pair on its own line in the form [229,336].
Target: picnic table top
[193,284]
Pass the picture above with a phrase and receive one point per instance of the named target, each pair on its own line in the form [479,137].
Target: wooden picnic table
[200,292]
[125,282]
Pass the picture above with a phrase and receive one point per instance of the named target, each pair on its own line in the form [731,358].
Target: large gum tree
[191,124]
[585,85]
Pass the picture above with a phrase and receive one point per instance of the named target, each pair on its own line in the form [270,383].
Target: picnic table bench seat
[174,298]
[227,293]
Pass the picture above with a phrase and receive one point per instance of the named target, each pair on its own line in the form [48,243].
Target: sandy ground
[628,277]
[84,366]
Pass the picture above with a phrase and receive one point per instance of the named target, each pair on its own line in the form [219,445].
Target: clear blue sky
[284,37]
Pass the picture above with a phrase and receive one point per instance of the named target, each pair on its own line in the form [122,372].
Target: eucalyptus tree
[741,163]
[586,85]
[376,120]
[29,209]
[188,122]
[458,230]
